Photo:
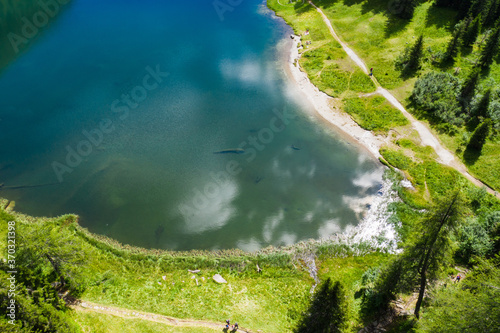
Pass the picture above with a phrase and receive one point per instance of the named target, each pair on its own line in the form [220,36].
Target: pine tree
[489,12]
[468,88]
[490,48]
[430,247]
[415,55]
[478,138]
[472,31]
[454,43]
[481,109]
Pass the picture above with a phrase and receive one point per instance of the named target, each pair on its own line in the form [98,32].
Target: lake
[117,111]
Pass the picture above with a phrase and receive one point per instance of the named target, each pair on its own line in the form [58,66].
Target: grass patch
[349,271]
[374,113]
[487,167]
[324,60]
[397,158]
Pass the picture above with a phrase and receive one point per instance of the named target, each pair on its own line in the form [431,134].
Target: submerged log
[231,151]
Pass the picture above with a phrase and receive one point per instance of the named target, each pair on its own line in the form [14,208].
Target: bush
[437,93]
[493,111]
[469,306]
[473,240]
[396,158]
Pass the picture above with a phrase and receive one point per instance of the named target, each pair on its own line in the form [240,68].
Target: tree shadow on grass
[302,7]
[394,25]
[440,17]
[408,73]
[471,155]
[327,312]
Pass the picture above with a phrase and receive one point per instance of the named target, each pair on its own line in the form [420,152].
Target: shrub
[473,240]
[437,93]
[494,111]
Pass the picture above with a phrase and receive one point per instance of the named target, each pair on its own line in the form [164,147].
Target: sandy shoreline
[324,105]
[374,228]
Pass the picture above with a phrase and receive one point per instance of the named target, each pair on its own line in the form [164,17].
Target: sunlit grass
[374,113]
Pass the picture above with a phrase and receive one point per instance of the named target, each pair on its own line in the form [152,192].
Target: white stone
[219,279]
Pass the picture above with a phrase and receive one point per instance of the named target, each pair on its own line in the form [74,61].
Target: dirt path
[153,317]
[428,139]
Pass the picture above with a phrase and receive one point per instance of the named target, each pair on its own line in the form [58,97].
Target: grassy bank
[156,281]
[379,37]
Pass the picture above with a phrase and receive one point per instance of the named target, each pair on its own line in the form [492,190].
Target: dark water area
[120,106]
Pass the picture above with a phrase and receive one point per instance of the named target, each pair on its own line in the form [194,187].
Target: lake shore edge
[324,105]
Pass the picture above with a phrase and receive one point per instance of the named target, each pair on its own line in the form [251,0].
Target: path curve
[80,305]
[426,136]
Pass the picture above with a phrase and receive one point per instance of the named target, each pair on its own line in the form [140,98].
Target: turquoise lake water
[118,108]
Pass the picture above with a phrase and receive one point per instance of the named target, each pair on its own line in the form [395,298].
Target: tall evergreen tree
[454,43]
[415,55]
[478,138]
[481,108]
[468,88]
[427,251]
[490,48]
[434,242]
[489,12]
[472,31]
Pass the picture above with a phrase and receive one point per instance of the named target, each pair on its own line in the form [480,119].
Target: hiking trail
[79,305]
[427,138]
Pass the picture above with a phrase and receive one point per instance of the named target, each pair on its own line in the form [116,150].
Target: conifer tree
[490,48]
[489,12]
[468,88]
[481,109]
[432,245]
[472,31]
[428,249]
[415,55]
[478,138]
[454,43]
